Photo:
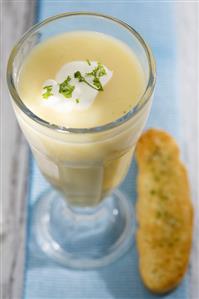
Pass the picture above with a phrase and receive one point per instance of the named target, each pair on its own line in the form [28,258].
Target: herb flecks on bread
[164,212]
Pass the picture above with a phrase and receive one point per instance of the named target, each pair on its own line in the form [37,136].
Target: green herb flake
[152,192]
[65,88]
[101,70]
[88,61]
[81,78]
[48,91]
[158,214]
[98,72]
[77,101]
[157,178]
[97,83]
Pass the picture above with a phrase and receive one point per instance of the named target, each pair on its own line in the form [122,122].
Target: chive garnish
[65,88]
[81,78]
[88,61]
[96,73]
[48,91]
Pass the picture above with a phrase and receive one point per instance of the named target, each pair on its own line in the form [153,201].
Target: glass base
[84,238]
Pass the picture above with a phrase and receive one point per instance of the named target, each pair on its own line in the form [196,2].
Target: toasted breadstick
[164,212]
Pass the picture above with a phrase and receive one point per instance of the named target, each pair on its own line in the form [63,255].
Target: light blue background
[43,279]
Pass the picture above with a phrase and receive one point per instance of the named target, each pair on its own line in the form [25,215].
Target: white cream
[83,95]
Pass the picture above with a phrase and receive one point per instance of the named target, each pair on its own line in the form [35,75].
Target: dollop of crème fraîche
[81,80]
[75,86]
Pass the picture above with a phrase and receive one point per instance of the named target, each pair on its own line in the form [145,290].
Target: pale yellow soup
[85,167]
[119,96]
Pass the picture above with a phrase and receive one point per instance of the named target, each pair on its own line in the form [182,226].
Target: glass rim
[143,99]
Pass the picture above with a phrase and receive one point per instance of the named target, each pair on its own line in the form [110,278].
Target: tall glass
[84,222]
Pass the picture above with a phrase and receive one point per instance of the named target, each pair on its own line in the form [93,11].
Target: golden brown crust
[164,212]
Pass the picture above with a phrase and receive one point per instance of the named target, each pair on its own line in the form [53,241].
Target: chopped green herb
[98,71]
[97,83]
[158,214]
[157,178]
[81,78]
[65,88]
[101,70]
[77,101]
[48,91]
[163,196]
[88,61]
[152,192]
